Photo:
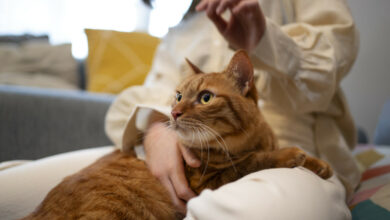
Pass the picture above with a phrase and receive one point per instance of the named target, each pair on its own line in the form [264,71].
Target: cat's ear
[240,69]
[194,68]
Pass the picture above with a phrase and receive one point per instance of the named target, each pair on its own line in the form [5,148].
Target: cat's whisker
[201,147]
[193,136]
[199,132]
[208,157]
[207,131]
[223,146]
[141,135]
[202,132]
[202,141]
[244,131]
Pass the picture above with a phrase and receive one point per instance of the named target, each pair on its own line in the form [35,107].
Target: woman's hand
[164,158]
[246,26]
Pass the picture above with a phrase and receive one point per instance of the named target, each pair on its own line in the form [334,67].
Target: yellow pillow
[117,60]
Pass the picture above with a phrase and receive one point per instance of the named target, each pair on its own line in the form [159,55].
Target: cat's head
[210,107]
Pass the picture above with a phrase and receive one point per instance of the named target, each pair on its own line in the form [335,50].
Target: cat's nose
[176,114]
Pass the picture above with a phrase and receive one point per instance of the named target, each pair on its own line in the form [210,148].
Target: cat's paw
[298,158]
[319,167]
[291,157]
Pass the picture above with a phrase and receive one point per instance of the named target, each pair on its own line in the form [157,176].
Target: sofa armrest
[35,123]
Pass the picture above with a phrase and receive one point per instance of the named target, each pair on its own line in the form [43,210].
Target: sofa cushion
[117,60]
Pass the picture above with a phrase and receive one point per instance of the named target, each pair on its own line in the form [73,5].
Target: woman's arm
[302,63]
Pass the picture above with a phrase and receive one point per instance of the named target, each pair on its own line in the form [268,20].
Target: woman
[300,50]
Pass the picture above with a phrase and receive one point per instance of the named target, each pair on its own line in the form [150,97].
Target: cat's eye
[206,97]
[178,97]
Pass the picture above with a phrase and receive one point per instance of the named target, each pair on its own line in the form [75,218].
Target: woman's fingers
[212,9]
[249,6]
[189,157]
[178,178]
[219,22]
[180,184]
[164,159]
[178,203]
[202,5]
[223,5]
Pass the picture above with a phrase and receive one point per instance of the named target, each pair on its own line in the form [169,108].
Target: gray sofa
[36,122]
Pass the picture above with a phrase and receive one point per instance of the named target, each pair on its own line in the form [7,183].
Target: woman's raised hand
[246,25]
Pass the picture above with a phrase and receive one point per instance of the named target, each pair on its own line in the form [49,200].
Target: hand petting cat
[164,157]
[246,25]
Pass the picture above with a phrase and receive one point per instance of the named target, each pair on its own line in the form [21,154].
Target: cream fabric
[270,194]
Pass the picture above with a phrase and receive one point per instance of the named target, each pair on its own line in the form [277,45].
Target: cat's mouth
[191,134]
[176,126]
[181,131]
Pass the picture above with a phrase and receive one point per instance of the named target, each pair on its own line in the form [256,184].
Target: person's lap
[269,194]
[23,187]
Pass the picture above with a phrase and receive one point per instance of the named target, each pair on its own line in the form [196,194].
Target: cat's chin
[191,136]
[183,135]
[193,139]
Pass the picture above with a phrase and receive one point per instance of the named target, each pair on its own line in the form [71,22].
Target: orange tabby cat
[217,117]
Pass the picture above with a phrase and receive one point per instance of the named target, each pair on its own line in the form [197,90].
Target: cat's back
[117,186]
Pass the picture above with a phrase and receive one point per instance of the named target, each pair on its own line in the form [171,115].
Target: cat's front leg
[282,158]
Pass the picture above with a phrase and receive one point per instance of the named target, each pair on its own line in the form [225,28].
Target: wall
[367,86]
